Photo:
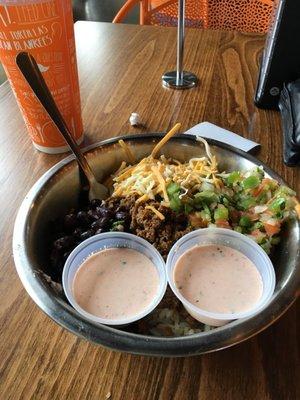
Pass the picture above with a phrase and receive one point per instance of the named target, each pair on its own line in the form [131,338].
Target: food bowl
[234,240]
[58,190]
[106,241]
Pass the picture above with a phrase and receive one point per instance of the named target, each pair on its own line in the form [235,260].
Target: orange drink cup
[43,28]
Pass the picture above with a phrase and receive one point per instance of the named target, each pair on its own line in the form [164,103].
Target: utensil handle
[33,76]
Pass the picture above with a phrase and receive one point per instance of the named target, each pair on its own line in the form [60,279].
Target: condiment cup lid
[112,240]
[237,241]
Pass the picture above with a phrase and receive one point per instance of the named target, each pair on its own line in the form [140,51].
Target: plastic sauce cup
[237,241]
[106,241]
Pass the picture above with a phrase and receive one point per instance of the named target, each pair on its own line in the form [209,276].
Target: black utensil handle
[33,76]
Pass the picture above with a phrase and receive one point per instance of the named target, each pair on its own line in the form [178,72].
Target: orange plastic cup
[43,28]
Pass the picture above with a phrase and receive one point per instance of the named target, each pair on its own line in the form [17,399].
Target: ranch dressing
[218,279]
[116,283]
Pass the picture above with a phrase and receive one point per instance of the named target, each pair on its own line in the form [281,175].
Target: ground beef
[161,233]
[146,224]
[116,204]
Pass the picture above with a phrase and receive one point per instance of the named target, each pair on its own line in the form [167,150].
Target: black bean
[104,212]
[54,257]
[121,216]
[66,255]
[58,229]
[103,222]
[86,235]
[95,203]
[83,218]
[93,215]
[63,243]
[77,232]
[97,224]
[100,223]
[70,221]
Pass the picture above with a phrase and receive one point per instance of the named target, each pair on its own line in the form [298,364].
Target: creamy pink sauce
[218,279]
[115,283]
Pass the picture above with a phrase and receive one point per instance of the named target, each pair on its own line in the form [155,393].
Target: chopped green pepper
[207,196]
[175,202]
[262,198]
[238,229]
[285,190]
[233,177]
[187,208]
[206,208]
[205,213]
[279,215]
[116,223]
[245,221]
[225,201]
[251,182]
[259,172]
[221,213]
[117,226]
[173,188]
[261,239]
[266,246]
[258,225]
[173,191]
[247,203]
[277,205]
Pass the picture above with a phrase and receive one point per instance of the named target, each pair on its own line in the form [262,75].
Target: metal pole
[180,41]
[180,79]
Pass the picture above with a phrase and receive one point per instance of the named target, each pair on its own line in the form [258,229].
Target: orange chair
[238,15]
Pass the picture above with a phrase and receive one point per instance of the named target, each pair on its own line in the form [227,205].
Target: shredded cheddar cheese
[164,140]
[156,212]
[127,151]
[151,176]
[161,182]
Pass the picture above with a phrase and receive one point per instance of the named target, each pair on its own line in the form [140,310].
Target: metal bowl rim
[64,314]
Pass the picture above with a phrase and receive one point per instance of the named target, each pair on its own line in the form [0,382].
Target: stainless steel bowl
[57,191]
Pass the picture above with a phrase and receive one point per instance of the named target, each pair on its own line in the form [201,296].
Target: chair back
[234,15]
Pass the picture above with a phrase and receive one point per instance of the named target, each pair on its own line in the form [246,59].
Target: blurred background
[101,10]
[94,10]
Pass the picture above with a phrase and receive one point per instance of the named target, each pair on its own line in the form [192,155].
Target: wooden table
[120,72]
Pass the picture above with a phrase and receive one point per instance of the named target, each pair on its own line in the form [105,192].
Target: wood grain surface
[120,72]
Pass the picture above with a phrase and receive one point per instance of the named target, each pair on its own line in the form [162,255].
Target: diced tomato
[222,223]
[271,229]
[269,183]
[257,191]
[256,232]
[266,184]
[258,235]
[266,181]
[235,215]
